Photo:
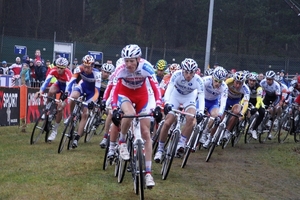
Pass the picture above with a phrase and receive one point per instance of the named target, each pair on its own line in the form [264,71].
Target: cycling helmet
[219,73]
[208,72]
[189,64]
[270,74]
[252,76]
[239,76]
[108,67]
[62,62]
[174,67]
[161,65]
[88,60]
[131,51]
[119,62]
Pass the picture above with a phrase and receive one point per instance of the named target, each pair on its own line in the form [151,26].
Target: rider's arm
[115,91]
[245,98]
[259,98]
[156,90]
[75,75]
[97,76]
[223,101]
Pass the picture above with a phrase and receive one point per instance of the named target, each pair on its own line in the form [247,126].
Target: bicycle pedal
[149,187]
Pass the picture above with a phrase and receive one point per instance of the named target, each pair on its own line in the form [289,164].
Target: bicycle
[137,156]
[264,130]
[249,127]
[69,130]
[44,123]
[93,121]
[170,148]
[219,134]
[289,123]
[193,141]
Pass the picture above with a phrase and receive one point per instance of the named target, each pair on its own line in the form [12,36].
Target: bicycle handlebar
[78,101]
[231,113]
[51,98]
[137,115]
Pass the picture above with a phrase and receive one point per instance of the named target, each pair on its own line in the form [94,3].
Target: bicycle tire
[90,131]
[263,135]
[155,138]
[189,146]
[65,136]
[295,127]
[105,160]
[283,130]
[39,128]
[170,154]
[117,166]
[248,136]
[140,160]
[214,143]
[237,134]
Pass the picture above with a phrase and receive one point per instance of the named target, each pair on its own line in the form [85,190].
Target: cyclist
[237,91]
[184,87]
[272,96]
[109,127]
[256,100]
[63,75]
[90,85]
[106,71]
[216,91]
[131,88]
[166,79]
[160,67]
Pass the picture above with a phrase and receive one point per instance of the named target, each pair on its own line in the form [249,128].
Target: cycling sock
[77,137]
[148,166]
[182,139]
[105,135]
[112,145]
[161,146]
[55,126]
[122,137]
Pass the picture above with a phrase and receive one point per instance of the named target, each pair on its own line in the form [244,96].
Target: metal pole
[209,31]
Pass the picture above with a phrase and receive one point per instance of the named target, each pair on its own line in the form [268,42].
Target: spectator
[26,59]
[16,67]
[4,68]
[282,78]
[38,56]
[32,72]
[97,65]
[25,75]
[40,71]
[260,77]
[216,65]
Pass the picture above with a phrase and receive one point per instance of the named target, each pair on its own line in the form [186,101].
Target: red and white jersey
[131,83]
[62,78]
[16,68]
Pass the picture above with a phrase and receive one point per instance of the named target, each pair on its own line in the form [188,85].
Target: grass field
[248,171]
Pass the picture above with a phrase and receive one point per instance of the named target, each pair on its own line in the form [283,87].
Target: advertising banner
[9,106]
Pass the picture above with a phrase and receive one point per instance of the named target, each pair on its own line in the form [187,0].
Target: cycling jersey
[132,86]
[256,93]
[272,92]
[90,83]
[235,95]
[183,87]
[164,83]
[62,79]
[212,94]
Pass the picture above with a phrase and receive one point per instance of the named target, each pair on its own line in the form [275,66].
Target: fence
[256,63]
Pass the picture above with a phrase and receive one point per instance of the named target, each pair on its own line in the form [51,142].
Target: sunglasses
[189,72]
[61,67]
[269,79]
[217,81]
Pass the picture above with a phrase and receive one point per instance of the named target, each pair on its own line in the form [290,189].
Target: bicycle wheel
[295,127]
[284,128]
[39,128]
[264,133]
[170,153]
[105,160]
[65,136]
[214,143]
[121,169]
[90,126]
[140,168]
[248,136]
[237,133]
[190,145]
[155,138]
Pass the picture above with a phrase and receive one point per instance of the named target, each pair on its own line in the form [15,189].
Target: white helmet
[131,51]
[108,67]
[270,74]
[119,62]
[219,73]
[88,60]
[189,64]
[62,62]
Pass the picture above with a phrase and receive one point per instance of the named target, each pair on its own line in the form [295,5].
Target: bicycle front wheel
[140,168]
[90,130]
[39,128]
[190,145]
[284,128]
[65,136]
[170,153]
[105,160]
[248,135]
[214,143]
[155,138]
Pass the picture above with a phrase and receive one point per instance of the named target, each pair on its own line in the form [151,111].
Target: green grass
[248,171]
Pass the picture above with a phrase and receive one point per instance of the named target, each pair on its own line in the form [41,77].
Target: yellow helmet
[161,64]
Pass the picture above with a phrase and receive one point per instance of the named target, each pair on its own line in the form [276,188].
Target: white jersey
[212,93]
[271,90]
[184,87]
